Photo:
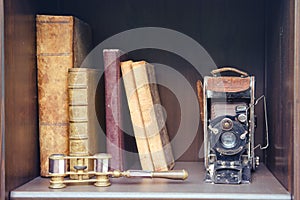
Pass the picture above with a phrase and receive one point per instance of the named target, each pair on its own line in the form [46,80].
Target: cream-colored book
[152,115]
[136,116]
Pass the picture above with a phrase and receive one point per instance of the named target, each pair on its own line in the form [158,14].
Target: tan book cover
[147,114]
[85,130]
[153,116]
[159,117]
[136,116]
[62,43]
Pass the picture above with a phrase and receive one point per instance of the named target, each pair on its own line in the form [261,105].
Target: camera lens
[226,124]
[228,140]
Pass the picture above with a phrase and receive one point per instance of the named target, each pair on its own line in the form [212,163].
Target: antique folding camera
[229,126]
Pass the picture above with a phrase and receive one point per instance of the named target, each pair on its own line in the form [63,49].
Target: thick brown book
[153,116]
[136,117]
[62,43]
[85,130]
[114,134]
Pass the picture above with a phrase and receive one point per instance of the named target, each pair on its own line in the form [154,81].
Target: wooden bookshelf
[259,36]
[263,186]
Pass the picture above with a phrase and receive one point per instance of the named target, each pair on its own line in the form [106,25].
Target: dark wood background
[296,181]
[232,32]
[21,129]
[2,156]
[280,89]
[256,36]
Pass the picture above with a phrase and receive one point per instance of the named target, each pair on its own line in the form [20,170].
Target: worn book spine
[84,126]
[114,133]
[60,46]
[136,117]
[160,117]
[153,116]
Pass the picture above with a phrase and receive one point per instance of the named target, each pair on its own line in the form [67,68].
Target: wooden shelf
[258,36]
[263,186]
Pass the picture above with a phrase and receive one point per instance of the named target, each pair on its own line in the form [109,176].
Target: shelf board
[264,186]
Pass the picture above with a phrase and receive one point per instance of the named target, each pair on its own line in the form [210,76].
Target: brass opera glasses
[100,176]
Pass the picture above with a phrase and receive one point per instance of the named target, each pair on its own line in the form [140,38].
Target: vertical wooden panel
[211,27]
[280,89]
[21,132]
[296,172]
[2,142]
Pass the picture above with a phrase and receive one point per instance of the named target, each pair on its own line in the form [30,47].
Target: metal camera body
[229,124]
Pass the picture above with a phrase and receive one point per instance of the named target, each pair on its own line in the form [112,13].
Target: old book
[62,43]
[84,134]
[114,134]
[136,116]
[153,116]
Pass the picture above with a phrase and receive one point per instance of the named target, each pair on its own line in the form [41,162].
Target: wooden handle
[224,69]
[173,174]
[200,99]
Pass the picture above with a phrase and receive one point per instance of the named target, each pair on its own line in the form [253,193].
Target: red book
[114,135]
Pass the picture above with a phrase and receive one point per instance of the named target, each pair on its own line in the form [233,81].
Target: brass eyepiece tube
[57,164]
[101,169]
[102,162]
[57,170]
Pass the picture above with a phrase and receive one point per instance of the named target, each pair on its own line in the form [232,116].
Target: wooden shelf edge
[263,186]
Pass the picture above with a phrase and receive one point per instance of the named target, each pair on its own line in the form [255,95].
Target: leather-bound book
[153,116]
[62,43]
[136,117]
[84,138]
[114,133]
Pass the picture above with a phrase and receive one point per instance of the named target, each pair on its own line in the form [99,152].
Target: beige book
[85,130]
[160,117]
[153,116]
[62,43]
[136,116]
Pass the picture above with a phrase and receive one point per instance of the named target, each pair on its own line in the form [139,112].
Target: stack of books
[67,96]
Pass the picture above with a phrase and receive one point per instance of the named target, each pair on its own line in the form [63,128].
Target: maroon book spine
[114,135]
